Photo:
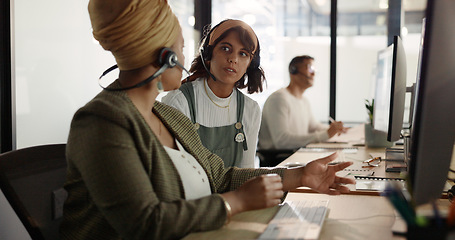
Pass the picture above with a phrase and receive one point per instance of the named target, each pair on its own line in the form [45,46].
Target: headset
[167,59]
[206,53]
[293,69]
[296,60]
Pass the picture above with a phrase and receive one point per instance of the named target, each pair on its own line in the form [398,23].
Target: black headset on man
[167,59]
[293,70]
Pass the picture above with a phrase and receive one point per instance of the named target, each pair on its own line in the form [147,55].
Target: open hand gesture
[320,176]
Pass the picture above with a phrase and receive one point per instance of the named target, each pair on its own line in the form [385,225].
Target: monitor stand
[396,158]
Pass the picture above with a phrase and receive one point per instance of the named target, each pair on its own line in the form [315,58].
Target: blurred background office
[54,56]
[49,57]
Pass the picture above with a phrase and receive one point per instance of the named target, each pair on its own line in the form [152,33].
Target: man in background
[287,119]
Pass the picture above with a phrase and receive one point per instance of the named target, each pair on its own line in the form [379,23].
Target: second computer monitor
[390,90]
[433,128]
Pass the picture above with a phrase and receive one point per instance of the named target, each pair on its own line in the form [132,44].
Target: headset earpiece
[168,57]
[206,52]
[293,69]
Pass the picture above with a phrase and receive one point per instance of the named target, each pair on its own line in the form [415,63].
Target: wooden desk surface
[360,215]
[357,158]
[350,217]
[357,168]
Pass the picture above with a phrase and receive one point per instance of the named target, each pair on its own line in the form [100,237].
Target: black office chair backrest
[32,181]
[273,157]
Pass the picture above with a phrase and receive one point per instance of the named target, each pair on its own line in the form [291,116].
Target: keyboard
[297,220]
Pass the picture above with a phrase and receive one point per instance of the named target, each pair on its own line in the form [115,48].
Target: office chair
[273,157]
[32,181]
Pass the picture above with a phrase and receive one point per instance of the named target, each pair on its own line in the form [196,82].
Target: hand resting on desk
[267,190]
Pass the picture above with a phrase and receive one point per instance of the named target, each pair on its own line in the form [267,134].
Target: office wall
[56,66]
[357,57]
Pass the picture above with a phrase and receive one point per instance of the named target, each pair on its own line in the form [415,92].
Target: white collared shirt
[194,178]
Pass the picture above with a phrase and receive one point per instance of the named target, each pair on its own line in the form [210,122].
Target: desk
[350,217]
[357,158]
[352,137]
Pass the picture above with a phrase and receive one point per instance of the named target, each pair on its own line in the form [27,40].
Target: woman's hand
[320,176]
[267,190]
[260,192]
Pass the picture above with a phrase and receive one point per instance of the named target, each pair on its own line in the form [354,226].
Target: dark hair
[255,74]
[297,60]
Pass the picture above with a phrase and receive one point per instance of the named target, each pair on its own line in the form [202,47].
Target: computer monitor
[382,89]
[390,90]
[415,86]
[433,131]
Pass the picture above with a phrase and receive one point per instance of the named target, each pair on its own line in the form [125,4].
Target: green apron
[228,142]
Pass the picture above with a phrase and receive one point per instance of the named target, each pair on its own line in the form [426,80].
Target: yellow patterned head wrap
[133,30]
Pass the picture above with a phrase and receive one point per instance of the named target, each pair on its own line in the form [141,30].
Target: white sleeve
[177,100]
[317,128]
[277,111]
[252,122]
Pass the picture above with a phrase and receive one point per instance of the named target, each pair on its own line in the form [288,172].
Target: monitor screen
[390,91]
[398,91]
[415,87]
[382,90]
[433,131]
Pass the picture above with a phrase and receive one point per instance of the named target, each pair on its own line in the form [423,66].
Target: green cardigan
[122,184]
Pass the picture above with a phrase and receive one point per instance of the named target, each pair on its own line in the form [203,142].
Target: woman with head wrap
[136,167]
[226,120]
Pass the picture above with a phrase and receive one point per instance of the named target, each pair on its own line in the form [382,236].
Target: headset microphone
[205,66]
[167,59]
[307,76]
[182,67]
